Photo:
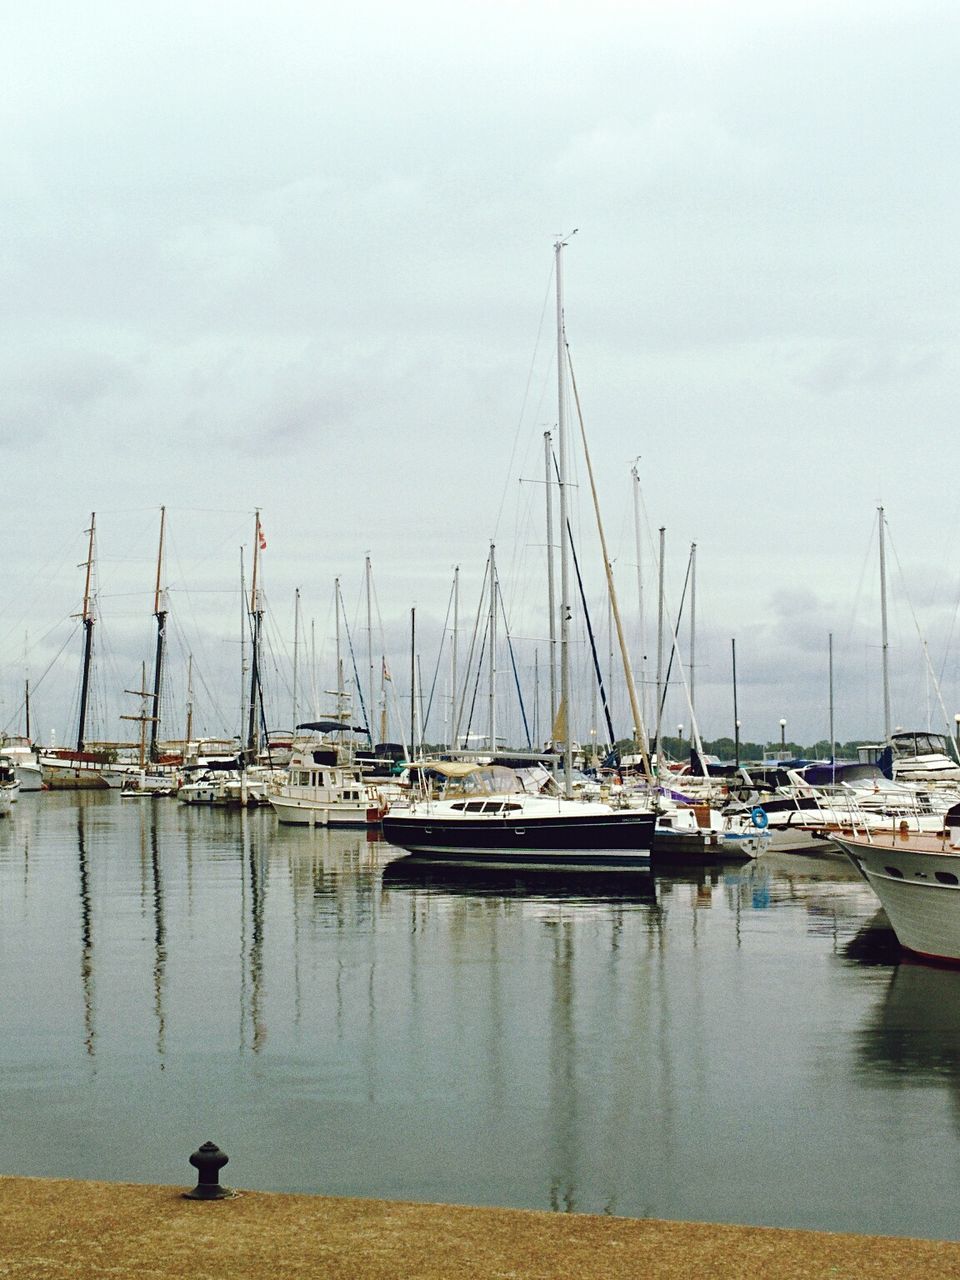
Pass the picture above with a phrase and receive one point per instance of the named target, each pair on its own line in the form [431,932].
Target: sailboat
[65,767]
[495,819]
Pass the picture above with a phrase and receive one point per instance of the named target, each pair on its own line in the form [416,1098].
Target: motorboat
[321,788]
[916,876]
[23,756]
[488,816]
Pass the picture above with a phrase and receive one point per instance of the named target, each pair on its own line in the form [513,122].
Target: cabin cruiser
[323,787]
[23,756]
[914,756]
[916,876]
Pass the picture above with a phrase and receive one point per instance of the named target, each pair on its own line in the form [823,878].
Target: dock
[63,1229]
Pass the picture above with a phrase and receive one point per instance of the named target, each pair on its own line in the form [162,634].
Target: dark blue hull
[605,842]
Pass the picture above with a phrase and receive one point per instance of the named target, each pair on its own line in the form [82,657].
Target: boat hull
[919,891]
[608,842]
[303,813]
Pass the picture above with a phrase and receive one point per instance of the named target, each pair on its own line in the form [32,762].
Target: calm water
[735,1044]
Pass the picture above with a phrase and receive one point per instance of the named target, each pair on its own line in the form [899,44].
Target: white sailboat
[493,821]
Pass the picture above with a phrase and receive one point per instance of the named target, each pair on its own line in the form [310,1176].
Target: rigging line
[586,614]
[356,679]
[523,405]
[476,686]
[676,631]
[916,623]
[460,701]
[443,635]
[513,661]
[53,661]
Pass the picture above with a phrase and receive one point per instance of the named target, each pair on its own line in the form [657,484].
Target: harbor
[741,1043]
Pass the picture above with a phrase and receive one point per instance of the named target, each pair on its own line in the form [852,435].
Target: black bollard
[208,1161]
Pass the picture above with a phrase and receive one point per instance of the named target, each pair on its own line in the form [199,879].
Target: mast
[161,616]
[256,621]
[369,654]
[641,638]
[87,617]
[830,677]
[883,630]
[413,681]
[453,653]
[660,647]
[551,588]
[26,708]
[336,591]
[296,645]
[492,663]
[189,730]
[736,721]
[565,611]
[693,624]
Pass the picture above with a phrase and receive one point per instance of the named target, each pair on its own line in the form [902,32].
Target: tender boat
[916,876]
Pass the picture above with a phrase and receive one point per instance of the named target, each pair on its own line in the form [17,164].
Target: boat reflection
[913,1035]
[586,886]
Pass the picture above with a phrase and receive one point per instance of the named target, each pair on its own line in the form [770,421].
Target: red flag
[263,541]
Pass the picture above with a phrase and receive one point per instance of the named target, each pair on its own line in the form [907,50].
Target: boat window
[947,877]
[895,872]
[475,806]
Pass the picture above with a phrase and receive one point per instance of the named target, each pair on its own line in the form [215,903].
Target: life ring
[759,818]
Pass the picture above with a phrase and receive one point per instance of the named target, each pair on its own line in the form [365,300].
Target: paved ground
[94,1229]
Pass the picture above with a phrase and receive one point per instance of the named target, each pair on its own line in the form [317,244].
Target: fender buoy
[759,817]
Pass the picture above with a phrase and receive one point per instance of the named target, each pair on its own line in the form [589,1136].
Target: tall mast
[256,620]
[453,653]
[369,654]
[551,588]
[736,719]
[87,617]
[336,590]
[830,676]
[565,611]
[243,642]
[161,616]
[296,645]
[883,629]
[693,627]
[413,681]
[189,729]
[492,660]
[660,572]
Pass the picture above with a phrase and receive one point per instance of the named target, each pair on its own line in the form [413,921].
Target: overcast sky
[298,257]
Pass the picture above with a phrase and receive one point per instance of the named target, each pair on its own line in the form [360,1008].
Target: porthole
[946,877]
[895,872]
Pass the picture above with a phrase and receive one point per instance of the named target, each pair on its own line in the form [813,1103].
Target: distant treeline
[726,749]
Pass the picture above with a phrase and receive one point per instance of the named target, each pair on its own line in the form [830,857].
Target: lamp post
[736,743]
[680,736]
[783,734]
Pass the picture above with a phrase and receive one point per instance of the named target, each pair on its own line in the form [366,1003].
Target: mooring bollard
[208,1160]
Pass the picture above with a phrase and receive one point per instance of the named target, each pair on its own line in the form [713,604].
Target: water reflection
[705,1043]
[913,1035]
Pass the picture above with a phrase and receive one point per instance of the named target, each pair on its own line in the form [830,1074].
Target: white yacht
[321,789]
[26,763]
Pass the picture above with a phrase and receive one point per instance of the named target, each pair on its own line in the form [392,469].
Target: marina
[739,1043]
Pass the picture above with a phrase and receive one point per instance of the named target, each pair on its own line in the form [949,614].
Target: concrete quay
[62,1230]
